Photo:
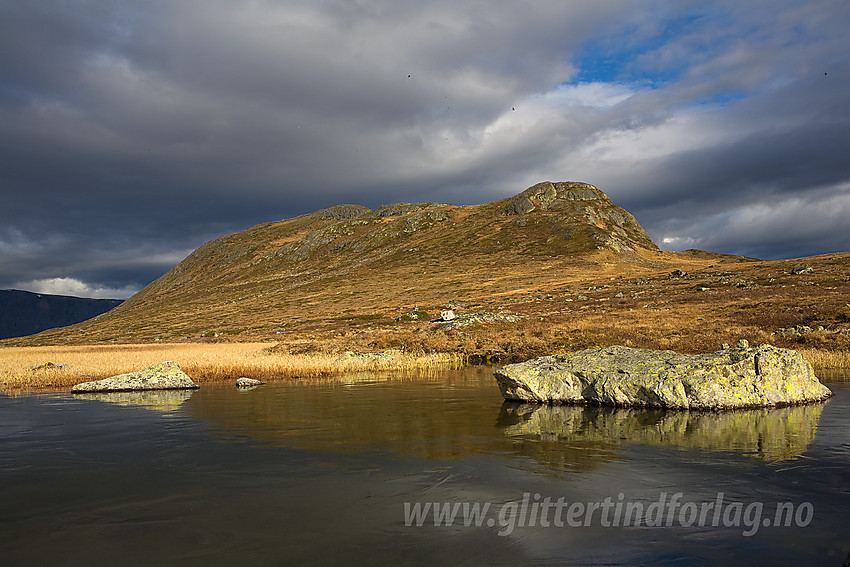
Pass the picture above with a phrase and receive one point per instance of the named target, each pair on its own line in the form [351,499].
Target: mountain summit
[351,261]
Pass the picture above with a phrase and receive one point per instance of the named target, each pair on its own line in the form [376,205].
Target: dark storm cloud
[132,132]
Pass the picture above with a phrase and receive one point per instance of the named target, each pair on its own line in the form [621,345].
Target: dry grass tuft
[828,361]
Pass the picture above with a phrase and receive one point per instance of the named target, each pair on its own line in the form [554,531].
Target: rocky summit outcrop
[761,376]
[566,202]
[163,376]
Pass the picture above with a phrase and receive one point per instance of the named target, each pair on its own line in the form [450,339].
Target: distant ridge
[25,313]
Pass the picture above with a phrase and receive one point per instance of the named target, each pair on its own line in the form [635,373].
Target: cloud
[140,130]
[74,287]
[792,223]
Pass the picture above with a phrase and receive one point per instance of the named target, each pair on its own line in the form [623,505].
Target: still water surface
[331,473]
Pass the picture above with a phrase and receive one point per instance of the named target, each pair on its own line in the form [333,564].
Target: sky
[131,132]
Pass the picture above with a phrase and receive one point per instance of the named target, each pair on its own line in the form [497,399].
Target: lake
[371,469]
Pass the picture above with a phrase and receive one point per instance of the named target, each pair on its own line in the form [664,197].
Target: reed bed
[833,363]
[29,368]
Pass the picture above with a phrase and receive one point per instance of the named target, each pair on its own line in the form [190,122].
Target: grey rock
[762,376]
[48,365]
[800,330]
[802,269]
[163,376]
[415,315]
[247,383]
[344,212]
[548,195]
[467,319]
[398,209]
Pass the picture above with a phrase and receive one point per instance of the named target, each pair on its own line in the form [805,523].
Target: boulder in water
[163,376]
[762,376]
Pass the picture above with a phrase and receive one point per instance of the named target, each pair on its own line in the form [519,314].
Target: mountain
[556,268]
[564,263]
[24,313]
[349,262]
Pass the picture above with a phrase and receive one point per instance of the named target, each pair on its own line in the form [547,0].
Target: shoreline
[58,368]
[61,367]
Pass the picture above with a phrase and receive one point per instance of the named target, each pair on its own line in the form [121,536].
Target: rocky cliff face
[571,203]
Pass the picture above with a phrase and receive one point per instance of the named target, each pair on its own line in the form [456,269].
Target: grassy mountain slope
[581,270]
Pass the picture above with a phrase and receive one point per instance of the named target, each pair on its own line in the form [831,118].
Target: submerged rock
[247,383]
[762,376]
[163,376]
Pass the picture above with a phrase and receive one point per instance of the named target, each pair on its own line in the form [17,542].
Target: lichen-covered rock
[247,383]
[344,212]
[163,376]
[802,269]
[467,319]
[548,195]
[762,376]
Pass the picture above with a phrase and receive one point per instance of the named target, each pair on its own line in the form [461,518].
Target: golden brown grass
[827,361]
[568,305]
[204,362]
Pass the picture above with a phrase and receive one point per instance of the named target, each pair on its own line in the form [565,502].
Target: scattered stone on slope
[415,314]
[467,319]
[345,212]
[398,209]
[802,269]
[163,376]
[799,330]
[762,376]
